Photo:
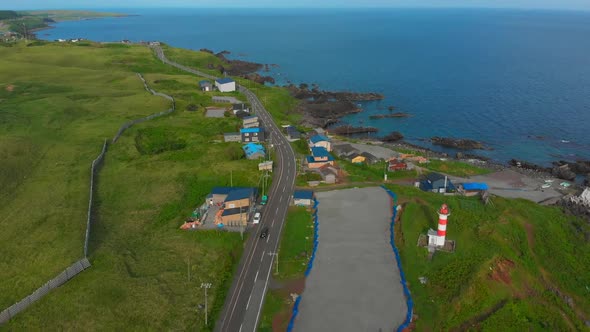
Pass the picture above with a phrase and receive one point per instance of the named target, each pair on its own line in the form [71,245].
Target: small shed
[225,84]
[357,158]
[241,107]
[303,197]
[205,85]
[396,165]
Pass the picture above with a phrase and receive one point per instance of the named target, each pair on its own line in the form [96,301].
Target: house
[225,84]
[356,158]
[250,121]
[344,150]
[237,206]
[252,135]
[369,158]
[319,157]
[292,132]
[254,151]
[329,173]
[241,107]
[232,137]
[397,165]
[437,183]
[205,86]
[303,197]
[320,141]
[219,194]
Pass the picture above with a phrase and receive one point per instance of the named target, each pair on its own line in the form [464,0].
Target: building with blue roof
[320,141]
[303,197]
[252,134]
[437,183]
[225,84]
[319,157]
[236,204]
[254,151]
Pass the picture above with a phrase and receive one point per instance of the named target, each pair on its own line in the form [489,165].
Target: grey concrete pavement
[355,283]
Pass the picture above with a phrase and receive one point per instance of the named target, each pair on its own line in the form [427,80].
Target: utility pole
[206,285]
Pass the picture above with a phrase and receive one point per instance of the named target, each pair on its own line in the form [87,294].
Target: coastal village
[234,208]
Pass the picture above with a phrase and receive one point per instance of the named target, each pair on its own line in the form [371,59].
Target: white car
[256,218]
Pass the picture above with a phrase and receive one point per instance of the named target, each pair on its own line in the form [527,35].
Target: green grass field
[57,105]
[510,260]
[453,167]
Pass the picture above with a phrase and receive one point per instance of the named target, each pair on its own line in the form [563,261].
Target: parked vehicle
[264,200]
[256,219]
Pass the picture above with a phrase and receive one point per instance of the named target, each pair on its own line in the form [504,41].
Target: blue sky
[65,4]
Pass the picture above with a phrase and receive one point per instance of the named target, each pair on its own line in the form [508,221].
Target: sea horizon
[449,67]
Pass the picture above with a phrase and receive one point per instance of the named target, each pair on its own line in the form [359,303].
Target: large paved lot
[355,282]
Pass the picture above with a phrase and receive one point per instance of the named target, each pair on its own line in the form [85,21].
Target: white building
[225,84]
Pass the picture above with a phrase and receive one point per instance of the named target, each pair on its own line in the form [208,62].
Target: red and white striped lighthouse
[443,215]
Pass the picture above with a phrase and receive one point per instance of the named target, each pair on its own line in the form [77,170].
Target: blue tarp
[475,186]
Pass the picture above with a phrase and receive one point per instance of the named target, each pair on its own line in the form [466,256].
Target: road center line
[255,277]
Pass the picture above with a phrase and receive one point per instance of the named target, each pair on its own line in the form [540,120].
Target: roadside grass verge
[59,103]
[512,260]
[295,249]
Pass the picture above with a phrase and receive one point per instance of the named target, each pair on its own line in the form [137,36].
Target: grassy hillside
[517,265]
[57,104]
[276,100]
[38,19]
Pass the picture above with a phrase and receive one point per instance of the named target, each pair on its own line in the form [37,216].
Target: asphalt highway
[243,305]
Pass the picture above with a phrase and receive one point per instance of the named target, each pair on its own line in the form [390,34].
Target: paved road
[241,311]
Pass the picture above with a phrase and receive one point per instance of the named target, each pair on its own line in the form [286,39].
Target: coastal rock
[303,92]
[393,137]
[392,115]
[564,172]
[463,144]
[255,77]
[528,166]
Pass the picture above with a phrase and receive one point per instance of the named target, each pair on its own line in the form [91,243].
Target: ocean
[517,80]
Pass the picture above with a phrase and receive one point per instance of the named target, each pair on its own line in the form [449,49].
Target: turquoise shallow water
[499,76]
